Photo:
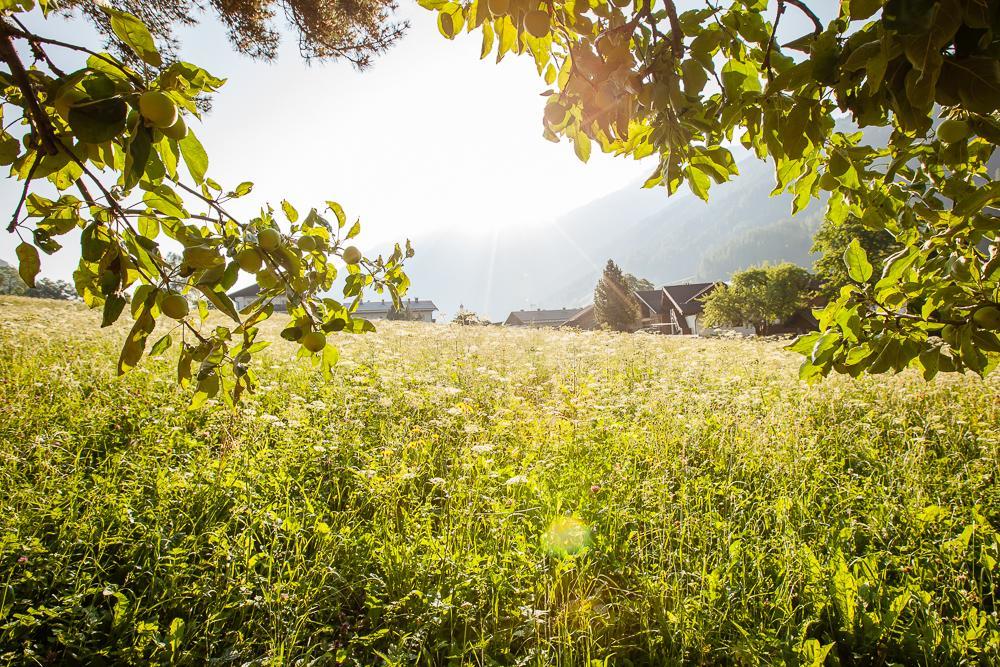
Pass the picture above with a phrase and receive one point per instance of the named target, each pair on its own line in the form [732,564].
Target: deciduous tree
[114,143]
[759,297]
[644,79]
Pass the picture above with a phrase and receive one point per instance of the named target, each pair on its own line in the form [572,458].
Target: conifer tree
[615,305]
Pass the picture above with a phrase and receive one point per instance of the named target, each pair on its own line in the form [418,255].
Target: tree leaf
[221,301]
[856,259]
[113,307]
[28,263]
[99,121]
[194,156]
[161,346]
[133,32]
[581,146]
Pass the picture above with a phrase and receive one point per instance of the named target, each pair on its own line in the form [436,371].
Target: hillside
[675,239]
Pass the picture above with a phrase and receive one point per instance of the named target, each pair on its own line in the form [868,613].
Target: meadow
[489,496]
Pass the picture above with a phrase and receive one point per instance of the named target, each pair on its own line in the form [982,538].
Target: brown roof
[652,299]
[686,298]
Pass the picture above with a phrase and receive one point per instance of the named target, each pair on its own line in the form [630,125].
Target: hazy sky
[429,137]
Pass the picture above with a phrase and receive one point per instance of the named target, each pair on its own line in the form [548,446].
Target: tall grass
[405,512]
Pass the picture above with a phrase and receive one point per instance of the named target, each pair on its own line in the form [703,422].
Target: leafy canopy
[759,297]
[130,174]
[643,79]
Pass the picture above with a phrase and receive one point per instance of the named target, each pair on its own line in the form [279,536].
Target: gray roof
[385,306]
[250,290]
[543,316]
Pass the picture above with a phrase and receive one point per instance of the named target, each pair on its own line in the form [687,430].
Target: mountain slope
[651,236]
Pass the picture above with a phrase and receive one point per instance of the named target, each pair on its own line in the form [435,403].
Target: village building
[541,318]
[244,297]
[674,309]
[414,310]
[585,319]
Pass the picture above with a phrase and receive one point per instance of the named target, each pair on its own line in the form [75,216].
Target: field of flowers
[487,496]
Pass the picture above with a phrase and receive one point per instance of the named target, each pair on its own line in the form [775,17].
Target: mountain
[674,239]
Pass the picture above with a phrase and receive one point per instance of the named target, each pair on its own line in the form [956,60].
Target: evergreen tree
[615,305]
[326,29]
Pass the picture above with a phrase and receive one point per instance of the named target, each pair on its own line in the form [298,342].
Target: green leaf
[289,210]
[113,307]
[28,263]
[221,301]
[100,121]
[862,9]
[135,343]
[133,32]
[194,156]
[856,259]
[166,201]
[161,346]
[338,211]
[354,230]
[243,189]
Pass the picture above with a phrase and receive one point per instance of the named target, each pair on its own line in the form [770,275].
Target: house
[413,310]
[674,309]
[585,319]
[541,318]
[244,297]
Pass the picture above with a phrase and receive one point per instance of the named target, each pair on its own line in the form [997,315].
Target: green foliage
[401,514]
[636,284]
[615,305]
[643,80]
[832,240]
[759,297]
[469,318]
[117,135]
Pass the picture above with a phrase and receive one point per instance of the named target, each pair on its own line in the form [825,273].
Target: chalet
[585,319]
[674,309]
[244,297]
[541,318]
[413,309]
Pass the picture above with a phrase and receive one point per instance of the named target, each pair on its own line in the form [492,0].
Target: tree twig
[24,193]
[766,64]
[40,120]
[801,6]
[676,34]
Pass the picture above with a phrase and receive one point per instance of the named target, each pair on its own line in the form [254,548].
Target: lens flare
[566,535]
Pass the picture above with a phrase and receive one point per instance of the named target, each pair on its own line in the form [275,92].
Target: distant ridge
[667,240]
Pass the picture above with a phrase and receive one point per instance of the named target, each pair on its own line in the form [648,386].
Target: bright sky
[429,137]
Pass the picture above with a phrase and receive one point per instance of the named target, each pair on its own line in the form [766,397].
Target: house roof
[584,319]
[543,316]
[686,297]
[250,290]
[385,306]
[652,298]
